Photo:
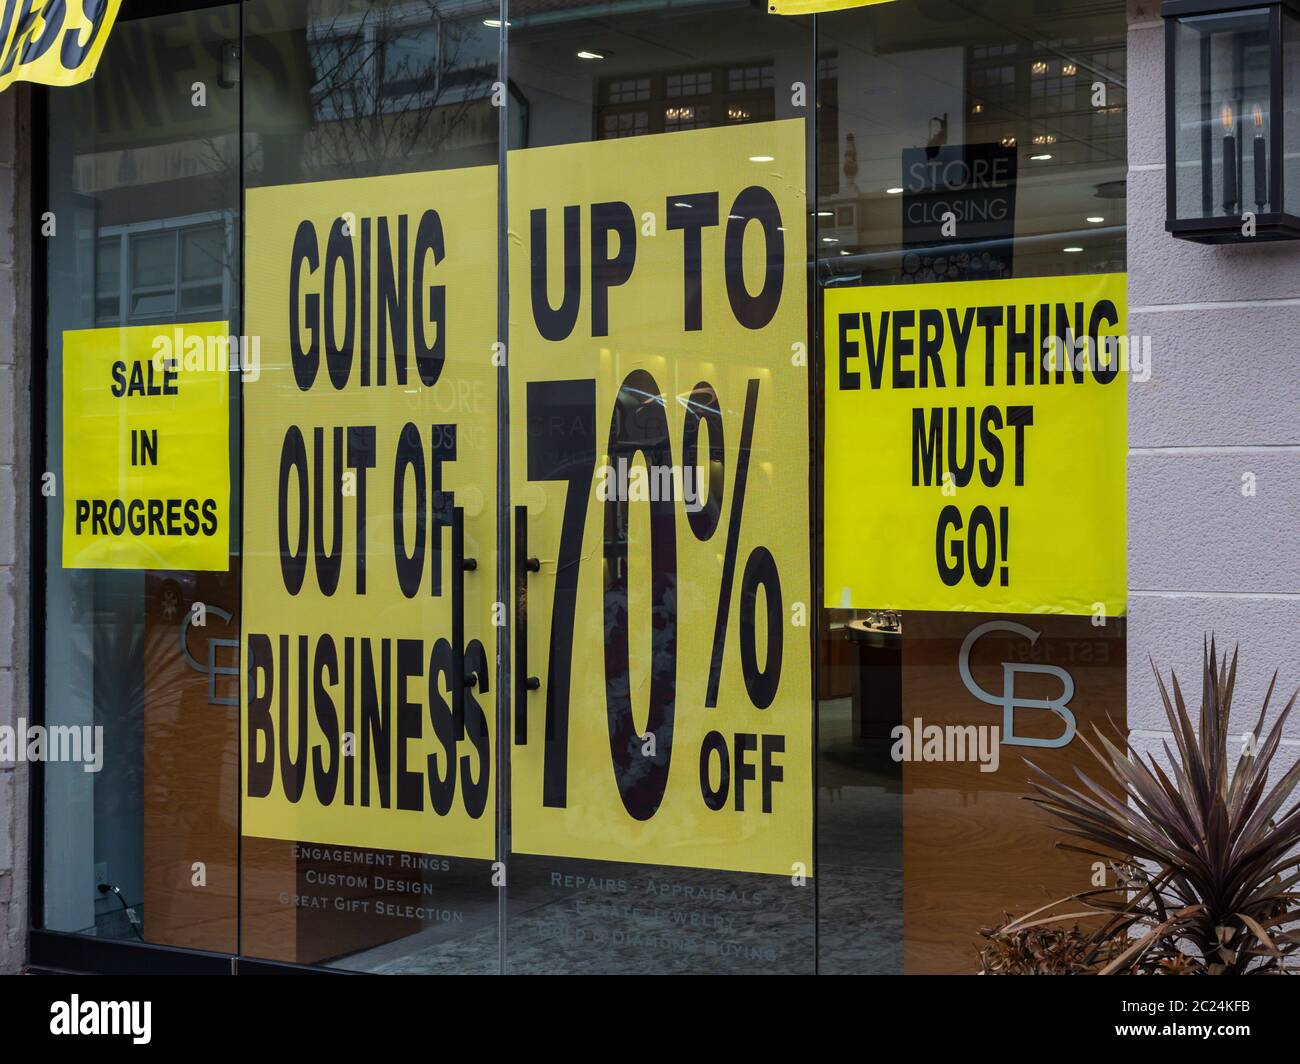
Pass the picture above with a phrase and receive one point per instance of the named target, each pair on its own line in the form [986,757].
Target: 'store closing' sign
[976,445]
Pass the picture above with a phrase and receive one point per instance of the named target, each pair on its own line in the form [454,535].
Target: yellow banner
[54,42]
[975,446]
[369,529]
[660,471]
[146,447]
[810,7]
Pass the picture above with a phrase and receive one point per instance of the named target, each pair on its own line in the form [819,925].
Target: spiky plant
[1206,859]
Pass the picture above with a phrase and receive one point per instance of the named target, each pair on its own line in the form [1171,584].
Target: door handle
[460,565]
[523,566]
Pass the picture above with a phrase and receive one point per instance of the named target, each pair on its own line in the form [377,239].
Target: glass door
[660,719]
[369,776]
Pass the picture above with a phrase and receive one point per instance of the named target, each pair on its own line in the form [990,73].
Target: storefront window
[472,599]
[967,159]
[144,184]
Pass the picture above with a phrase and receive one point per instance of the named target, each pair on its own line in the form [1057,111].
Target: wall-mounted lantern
[1232,120]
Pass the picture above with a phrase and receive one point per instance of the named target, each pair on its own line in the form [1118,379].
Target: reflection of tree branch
[371,105]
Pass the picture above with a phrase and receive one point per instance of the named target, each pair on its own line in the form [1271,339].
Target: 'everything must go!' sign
[975,446]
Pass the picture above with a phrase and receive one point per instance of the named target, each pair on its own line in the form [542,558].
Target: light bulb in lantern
[1261,158]
[1229,161]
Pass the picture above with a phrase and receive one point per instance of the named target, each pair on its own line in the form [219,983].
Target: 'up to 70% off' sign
[662,704]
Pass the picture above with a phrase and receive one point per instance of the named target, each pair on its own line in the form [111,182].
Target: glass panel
[369,791]
[153,261]
[203,253]
[661,761]
[1221,105]
[964,159]
[145,847]
[1291,111]
[108,284]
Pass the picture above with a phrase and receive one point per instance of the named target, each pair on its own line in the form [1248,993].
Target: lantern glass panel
[1221,109]
[1291,112]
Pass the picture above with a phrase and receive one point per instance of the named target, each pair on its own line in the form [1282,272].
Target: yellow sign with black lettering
[369,514]
[662,708]
[53,42]
[810,7]
[976,445]
[146,447]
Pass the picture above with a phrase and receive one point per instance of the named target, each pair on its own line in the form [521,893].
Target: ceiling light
[1039,158]
[1071,251]
[1096,219]
[762,158]
[494,23]
[893,191]
[590,55]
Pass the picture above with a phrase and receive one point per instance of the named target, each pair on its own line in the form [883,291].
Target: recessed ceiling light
[844,251]
[762,158]
[825,214]
[829,240]
[590,55]
[494,23]
[1095,219]
[893,191]
[1072,251]
[1040,158]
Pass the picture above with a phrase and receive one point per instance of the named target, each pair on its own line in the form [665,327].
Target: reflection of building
[1049,87]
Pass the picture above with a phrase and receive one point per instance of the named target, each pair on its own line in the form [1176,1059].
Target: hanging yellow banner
[812,7]
[976,446]
[369,514]
[54,42]
[146,447]
[662,706]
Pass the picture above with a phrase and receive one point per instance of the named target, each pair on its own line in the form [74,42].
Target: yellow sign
[809,7]
[53,42]
[975,446]
[146,447]
[662,707]
[369,514]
